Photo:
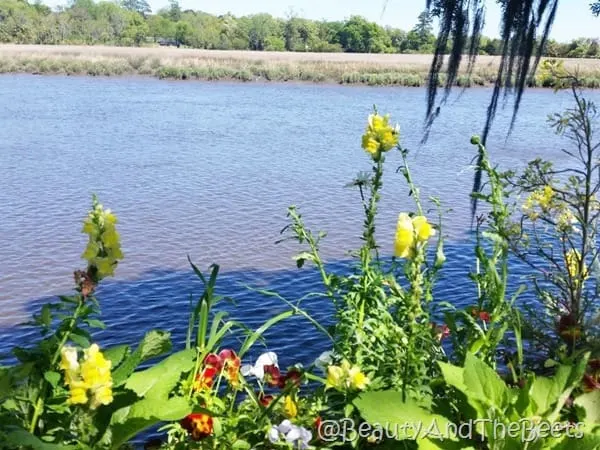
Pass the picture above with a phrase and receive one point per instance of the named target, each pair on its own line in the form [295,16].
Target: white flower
[324,360]
[298,436]
[258,370]
[69,358]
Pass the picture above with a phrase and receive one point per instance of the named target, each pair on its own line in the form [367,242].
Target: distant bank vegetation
[189,64]
[132,23]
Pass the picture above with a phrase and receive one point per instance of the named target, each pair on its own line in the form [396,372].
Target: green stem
[39,405]
[371,210]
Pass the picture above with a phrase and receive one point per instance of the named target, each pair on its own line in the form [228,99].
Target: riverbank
[184,64]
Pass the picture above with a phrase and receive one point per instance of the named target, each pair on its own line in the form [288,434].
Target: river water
[208,170]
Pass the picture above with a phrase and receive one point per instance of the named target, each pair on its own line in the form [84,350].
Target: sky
[573,20]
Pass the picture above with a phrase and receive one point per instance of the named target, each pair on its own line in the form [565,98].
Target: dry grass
[246,65]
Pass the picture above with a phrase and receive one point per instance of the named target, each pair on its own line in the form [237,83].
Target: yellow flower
[290,407]
[92,375]
[409,232]
[335,376]
[572,261]
[103,250]
[78,392]
[358,380]
[541,198]
[423,229]
[404,236]
[379,136]
[346,376]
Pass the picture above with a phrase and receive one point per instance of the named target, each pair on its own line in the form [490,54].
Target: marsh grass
[185,64]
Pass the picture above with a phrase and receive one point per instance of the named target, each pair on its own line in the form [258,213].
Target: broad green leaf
[132,420]
[154,344]
[545,392]
[24,439]
[402,419]
[158,381]
[454,376]
[483,383]
[240,445]
[116,354]
[590,402]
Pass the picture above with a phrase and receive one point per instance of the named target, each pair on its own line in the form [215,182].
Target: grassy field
[174,63]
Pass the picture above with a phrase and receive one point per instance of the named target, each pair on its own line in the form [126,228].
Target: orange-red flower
[230,366]
[199,425]
[205,380]
[265,400]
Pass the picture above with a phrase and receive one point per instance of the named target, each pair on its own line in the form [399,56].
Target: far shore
[184,64]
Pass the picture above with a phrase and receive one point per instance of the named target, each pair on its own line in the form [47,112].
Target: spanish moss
[524,31]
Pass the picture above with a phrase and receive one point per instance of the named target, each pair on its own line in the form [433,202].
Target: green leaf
[80,340]
[24,439]
[387,408]
[95,323]
[52,377]
[154,343]
[132,420]
[46,315]
[155,385]
[545,392]
[116,354]
[454,376]
[158,381]
[590,402]
[241,445]
[250,340]
[483,383]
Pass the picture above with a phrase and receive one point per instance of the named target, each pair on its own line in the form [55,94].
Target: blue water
[208,169]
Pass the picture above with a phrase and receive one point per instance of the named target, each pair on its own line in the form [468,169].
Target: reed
[184,64]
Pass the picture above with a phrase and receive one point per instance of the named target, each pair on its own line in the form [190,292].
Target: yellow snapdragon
[346,377]
[379,136]
[103,250]
[572,261]
[89,380]
[409,232]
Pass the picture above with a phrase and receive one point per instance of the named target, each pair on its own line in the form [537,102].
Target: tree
[360,36]
[174,10]
[595,8]
[140,6]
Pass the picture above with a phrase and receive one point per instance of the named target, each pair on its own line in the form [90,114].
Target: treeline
[131,23]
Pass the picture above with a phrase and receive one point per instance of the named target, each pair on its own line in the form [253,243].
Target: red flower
[212,360]
[199,425]
[205,380]
[265,400]
[591,383]
[272,375]
[480,314]
[231,366]
[293,376]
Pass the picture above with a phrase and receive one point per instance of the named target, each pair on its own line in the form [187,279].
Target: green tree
[140,6]
[361,36]
[260,27]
